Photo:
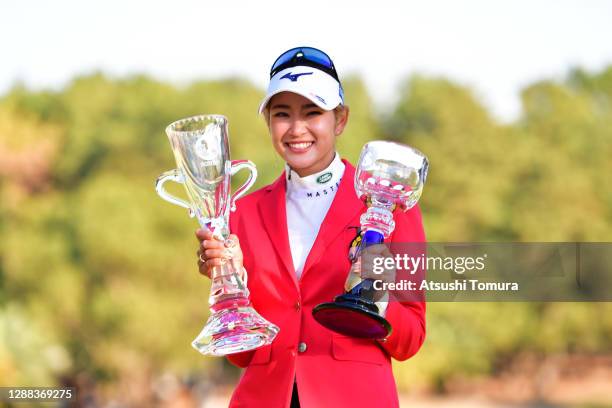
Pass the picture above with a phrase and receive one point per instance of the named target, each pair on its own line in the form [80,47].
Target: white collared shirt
[308,199]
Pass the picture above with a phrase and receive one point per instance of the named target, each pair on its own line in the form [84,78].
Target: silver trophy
[389,176]
[201,149]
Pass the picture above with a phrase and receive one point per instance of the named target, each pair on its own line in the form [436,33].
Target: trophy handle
[177,177]
[238,165]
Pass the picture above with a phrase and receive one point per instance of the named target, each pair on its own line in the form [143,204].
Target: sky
[495,47]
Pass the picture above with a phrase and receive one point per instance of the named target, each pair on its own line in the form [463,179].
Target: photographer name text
[453,286]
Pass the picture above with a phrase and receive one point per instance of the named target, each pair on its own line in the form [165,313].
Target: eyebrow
[282,106]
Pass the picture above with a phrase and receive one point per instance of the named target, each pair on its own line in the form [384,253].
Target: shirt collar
[326,177]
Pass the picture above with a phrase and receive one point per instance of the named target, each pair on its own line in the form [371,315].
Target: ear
[342,116]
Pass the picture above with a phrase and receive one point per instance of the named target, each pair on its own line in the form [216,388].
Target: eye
[314,113]
[280,114]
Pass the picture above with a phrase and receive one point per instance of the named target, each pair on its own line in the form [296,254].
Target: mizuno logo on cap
[294,77]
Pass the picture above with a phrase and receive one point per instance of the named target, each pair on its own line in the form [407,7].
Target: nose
[298,128]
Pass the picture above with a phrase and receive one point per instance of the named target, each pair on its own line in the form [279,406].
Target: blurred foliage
[98,275]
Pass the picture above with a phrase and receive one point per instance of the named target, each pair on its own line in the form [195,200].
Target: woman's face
[303,134]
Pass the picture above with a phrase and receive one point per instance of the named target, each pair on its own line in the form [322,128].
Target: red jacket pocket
[353,349]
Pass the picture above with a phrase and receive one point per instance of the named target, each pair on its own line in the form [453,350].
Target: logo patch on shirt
[324,178]
[327,190]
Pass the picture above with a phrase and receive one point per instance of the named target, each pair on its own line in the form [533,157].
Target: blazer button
[297,306]
[302,347]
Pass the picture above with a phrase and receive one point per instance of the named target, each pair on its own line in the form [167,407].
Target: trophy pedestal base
[234,328]
[352,317]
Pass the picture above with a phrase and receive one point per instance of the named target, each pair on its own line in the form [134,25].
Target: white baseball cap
[312,83]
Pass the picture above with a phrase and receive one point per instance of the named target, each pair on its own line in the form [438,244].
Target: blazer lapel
[343,209]
[274,215]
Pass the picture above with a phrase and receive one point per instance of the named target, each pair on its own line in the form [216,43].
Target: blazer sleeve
[244,358]
[407,318]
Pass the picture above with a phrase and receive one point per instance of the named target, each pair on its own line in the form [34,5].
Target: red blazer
[333,370]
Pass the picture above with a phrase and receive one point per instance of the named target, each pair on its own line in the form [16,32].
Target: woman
[293,238]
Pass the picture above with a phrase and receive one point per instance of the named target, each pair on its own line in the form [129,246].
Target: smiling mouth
[299,146]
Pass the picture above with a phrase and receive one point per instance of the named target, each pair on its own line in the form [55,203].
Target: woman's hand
[377,263]
[213,252]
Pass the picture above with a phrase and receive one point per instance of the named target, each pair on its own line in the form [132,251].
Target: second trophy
[201,149]
[389,176]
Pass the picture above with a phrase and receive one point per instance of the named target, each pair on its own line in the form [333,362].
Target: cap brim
[306,95]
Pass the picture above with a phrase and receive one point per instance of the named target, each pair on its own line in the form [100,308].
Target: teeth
[300,145]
